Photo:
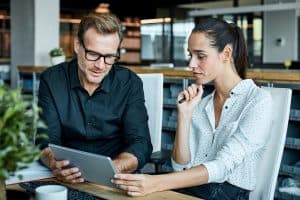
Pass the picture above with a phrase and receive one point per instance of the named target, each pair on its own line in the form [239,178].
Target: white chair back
[153,90]
[268,167]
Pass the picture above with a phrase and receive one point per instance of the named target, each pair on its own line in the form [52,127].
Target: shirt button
[205,155]
[226,107]
[89,123]
[231,93]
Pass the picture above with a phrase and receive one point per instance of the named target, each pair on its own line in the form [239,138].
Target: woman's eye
[201,57]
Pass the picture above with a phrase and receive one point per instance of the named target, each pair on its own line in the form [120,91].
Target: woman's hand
[192,95]
[68,175]
[136,184]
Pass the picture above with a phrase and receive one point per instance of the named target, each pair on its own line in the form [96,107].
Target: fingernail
[76,169]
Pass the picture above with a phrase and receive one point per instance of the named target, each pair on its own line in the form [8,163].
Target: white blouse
[231,151]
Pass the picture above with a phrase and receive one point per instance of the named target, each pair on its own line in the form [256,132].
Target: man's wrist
[125,163]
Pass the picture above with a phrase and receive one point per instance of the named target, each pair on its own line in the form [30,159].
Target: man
[94,105]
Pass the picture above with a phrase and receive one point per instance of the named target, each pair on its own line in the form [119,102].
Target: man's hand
[59,168]
[125,163]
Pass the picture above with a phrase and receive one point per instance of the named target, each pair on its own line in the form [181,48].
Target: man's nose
[100,63]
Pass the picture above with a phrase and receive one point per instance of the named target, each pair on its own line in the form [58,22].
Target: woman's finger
[129,188]
[126,182]
[186,95]
[135,194]
[130,177]
[191,92]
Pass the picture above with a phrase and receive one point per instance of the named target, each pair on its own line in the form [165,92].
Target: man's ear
[76,45]
[227,53]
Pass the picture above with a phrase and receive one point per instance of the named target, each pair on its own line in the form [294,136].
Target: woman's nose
[192,63]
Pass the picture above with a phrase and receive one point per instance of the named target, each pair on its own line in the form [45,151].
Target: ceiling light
[245,9]
[156,20]
[102,8]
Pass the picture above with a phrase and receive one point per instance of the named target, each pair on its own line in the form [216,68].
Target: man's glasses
[94,56]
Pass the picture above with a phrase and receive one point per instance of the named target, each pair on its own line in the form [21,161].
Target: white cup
[51,192]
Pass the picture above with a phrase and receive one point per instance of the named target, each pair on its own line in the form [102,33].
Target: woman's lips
[197,73]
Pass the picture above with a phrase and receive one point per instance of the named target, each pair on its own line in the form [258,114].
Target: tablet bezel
[93,167]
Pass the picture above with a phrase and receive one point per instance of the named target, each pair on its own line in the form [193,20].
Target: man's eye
[93,54]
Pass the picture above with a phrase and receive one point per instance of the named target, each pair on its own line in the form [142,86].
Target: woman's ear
[227,53]
[76,45]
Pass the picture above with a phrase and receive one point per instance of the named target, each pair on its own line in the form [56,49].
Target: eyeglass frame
[86,51]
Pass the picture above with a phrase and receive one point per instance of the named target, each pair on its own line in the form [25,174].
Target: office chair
[153,90]
[268,167]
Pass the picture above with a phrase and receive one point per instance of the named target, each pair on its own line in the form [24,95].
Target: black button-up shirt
[110,121]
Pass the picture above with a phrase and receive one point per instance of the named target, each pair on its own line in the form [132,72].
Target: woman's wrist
[184,115]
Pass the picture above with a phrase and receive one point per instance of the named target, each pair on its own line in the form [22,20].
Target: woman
[219,138]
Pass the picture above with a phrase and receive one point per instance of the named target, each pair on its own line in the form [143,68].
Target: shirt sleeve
[48,115]
[178,167]
[251,134]
[137,136]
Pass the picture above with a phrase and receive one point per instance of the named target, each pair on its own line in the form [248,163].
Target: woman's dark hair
[220,33]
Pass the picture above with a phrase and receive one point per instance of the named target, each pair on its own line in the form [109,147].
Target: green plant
[56,52]
[19,121]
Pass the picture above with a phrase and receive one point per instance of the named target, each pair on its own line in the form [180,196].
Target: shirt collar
[240,88]
[106,83]
[73,71]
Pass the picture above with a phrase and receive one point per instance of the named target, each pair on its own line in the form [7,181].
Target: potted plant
[19,121]
[57,56]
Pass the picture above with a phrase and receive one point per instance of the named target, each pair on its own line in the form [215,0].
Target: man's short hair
[103,23]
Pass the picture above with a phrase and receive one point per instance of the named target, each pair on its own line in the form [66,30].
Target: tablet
[93,167]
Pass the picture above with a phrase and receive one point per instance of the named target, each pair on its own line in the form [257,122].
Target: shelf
[292,143]
[169,129]
[172,81]
[170,106]
[27,91]
[170,103]
[295,115]
[169,126]
[286,196]
[290,171]
[131,24]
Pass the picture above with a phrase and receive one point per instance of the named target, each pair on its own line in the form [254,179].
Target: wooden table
[116,194]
